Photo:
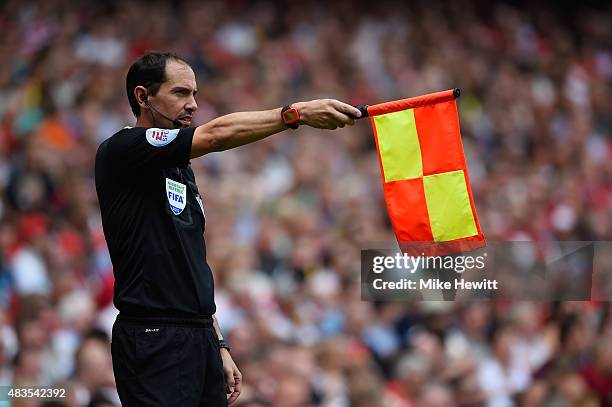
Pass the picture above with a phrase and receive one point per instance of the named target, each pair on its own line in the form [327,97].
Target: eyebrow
[180,89]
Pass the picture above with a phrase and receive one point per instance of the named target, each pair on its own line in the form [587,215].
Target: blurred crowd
[287,216]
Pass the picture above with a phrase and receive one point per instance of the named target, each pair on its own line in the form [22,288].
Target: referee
[167,346]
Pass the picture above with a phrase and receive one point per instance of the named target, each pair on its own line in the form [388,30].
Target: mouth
[185,119]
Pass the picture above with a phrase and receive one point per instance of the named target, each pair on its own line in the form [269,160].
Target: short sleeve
[139,148]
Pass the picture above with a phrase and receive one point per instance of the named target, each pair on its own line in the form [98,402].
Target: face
[176,96]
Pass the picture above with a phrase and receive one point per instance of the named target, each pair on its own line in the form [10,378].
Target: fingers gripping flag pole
[424,174]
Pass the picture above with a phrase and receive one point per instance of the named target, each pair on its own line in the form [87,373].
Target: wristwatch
[290,117]
[223,344]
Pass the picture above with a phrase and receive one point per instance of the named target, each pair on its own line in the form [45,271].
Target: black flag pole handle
[363,109]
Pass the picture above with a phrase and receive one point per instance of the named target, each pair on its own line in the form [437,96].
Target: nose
[191,105]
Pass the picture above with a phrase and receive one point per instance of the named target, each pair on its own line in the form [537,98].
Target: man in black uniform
[167,346]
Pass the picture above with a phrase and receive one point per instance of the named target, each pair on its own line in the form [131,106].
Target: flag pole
[407,103]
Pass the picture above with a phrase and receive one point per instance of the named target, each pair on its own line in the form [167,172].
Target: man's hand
[233,377]
[326,113]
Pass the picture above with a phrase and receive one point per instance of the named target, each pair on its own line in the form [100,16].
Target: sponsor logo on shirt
[177,195]
[160,137]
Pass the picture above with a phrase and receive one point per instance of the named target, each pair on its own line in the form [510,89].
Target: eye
[182,92]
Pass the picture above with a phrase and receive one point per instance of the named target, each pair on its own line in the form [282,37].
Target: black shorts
[167,362]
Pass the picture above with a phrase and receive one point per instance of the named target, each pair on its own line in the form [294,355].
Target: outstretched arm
[237,129]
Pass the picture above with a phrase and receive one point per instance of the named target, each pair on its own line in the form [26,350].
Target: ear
[141,94]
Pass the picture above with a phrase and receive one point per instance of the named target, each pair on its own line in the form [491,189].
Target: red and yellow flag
[425,178]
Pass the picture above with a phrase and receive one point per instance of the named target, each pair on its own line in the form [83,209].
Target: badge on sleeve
[160,137]
[177,195]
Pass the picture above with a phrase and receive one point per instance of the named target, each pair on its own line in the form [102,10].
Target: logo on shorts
[161,137]
[177,195]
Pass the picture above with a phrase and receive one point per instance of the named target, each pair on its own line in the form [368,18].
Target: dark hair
[568,326]
[149,71]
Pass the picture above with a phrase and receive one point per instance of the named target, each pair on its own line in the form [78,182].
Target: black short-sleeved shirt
[153,221]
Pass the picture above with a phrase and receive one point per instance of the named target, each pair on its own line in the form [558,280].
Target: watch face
[291,116]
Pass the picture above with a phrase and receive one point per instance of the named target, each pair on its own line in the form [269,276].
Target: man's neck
[142,122]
